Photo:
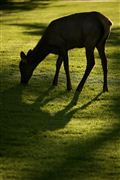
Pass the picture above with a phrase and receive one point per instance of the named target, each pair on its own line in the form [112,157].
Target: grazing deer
[89,30]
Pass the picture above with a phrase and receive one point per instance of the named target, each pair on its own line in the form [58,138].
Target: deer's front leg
[66,67]
[58,66]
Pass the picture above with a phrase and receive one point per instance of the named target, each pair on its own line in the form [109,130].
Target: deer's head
[25,65]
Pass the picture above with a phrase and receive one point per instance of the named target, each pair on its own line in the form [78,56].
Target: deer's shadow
[33,115]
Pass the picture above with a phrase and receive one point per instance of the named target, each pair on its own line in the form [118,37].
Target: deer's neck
[40,51]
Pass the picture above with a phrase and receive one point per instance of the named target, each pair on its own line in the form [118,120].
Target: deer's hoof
[69,88]
[105,89]
[54,84]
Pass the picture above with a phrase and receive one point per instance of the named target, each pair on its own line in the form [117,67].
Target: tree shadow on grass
[20,120]
[81,155]
[36,29]
[114,39]
[10,6]
[81,158]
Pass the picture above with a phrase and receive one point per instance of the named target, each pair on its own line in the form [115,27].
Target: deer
[87,30]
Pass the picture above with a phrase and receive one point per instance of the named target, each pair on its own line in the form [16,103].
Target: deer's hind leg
[90,65]
[101,50]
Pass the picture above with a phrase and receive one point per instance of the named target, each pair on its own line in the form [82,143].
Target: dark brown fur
[89,30]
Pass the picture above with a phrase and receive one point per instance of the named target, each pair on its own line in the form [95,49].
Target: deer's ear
[23,56]
[30,53]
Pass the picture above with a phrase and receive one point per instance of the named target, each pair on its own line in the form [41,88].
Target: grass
[42,136]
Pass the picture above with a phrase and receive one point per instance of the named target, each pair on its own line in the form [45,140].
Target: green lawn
[42,136]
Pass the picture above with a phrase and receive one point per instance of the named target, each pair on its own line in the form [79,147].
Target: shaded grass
[42,135]
[9,6]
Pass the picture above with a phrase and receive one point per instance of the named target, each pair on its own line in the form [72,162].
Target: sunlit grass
[42,135]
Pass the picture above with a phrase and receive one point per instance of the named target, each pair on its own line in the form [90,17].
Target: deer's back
[74,30]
